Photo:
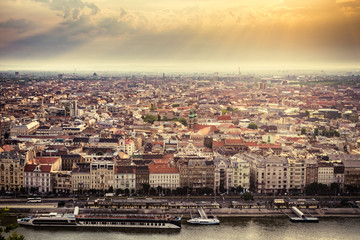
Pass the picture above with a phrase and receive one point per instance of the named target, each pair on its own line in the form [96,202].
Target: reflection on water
[230,228]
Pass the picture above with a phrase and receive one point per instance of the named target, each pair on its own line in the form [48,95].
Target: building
[101,175]
[25,129]
[276,178]
[11,171]
[296,175]
[70,107]
[311,171]
[38,178]
[69,160]
[351,174]
[196,173]
[164,176]
[80,178]
[325,173]
[241,173]
[223,175]
[62,181]
[125,178]
[142,177]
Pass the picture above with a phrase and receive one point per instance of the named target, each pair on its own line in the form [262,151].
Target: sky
[211,35]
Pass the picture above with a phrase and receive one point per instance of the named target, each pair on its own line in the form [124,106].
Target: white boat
[203,219]
[47,220]
[102,220]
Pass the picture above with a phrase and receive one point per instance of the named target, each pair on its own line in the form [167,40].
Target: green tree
[252,126]
[7,232]
[146,188]
[183,121]
[150,118]
[316,132]
[175,105]
[303,131]
[152,191]
[248,196]
[239,189]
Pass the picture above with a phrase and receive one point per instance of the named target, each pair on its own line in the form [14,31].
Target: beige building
[62,182]
[125,178]
[164,176]
[241,173]
[296,175]
[325,173]
[11,171]
[101,175]
[80,178]
[25,129]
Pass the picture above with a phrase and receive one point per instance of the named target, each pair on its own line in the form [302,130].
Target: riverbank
[186,213]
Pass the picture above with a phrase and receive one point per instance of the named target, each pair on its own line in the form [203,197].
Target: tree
[9,229]
[248,196]
[239,189]
[127,191]
[175,105]
[152,191]
[159,189]
[303,131]
[252,126]
[111,189]
[317,189]
[316,132]
[150,118]
[183,121]
[146,188]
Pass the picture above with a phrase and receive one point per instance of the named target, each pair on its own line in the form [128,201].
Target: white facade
[241,173]
[325,174]
[38,178]
[125,178]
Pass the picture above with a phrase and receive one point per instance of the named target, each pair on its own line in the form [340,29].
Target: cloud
[71,9]
[19,25]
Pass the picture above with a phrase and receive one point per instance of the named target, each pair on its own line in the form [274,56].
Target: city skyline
[187,35]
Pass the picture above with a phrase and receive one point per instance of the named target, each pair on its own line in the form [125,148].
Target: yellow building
[11,171]
[101,175]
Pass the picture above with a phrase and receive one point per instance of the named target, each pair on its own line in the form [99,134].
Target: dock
[301,216]
[202,213]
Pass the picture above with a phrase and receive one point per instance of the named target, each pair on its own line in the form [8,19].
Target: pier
[301,216]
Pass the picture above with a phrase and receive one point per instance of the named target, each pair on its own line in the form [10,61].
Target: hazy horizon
[190,36]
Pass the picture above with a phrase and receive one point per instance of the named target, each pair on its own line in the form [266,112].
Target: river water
[230,228]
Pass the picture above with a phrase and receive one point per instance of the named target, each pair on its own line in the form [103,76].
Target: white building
[125,178]
[38,177]
[241,173]
[325,173]
[164,176]
[25,129]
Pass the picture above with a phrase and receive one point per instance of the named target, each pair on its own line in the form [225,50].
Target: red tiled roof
[198,127]
[158,143]
[29,167]
[218,144]
[45,168]
[125,169]
[234,141]
[8,148]
[269,146]
[223,117]
[47,160]
[251,144]
[162,168]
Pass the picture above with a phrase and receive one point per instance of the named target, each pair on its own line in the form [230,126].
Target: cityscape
[155,117]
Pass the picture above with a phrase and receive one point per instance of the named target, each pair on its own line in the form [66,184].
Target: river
[230,228]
